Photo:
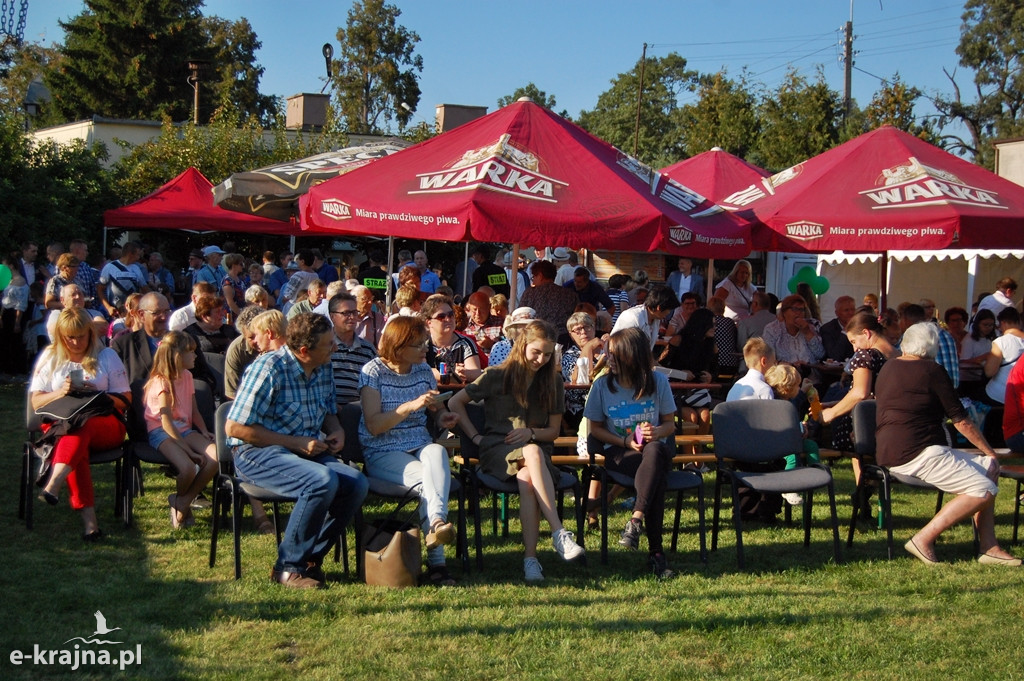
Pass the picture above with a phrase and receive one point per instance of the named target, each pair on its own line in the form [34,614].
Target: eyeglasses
[578,329]
[425,345]
[346,313]
[799,309]
[443,316]
[158,313]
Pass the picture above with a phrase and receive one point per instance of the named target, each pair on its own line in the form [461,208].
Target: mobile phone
[444,396]
[77,378]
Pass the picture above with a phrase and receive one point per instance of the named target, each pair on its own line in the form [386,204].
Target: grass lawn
[793,614]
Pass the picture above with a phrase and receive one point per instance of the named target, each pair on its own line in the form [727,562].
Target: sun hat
[520,316]
[195,253]
[210,250]
[560,253]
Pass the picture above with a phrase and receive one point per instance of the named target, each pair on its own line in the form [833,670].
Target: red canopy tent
[718,175]
[186,202]
[523,174]
[884,190]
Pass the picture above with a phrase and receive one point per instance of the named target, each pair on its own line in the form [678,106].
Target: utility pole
[639,100]
[848,64]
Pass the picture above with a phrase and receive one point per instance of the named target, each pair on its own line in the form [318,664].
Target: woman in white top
[737,291]
[977,344]
[1005,351]
[77,347]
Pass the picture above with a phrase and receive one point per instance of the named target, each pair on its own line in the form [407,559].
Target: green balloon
[819,286]
[5,276]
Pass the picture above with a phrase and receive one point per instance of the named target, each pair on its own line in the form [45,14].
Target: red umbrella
[885,190]
[186,202]
[525,175]
[718,175]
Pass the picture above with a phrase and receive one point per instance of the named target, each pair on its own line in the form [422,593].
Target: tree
[236,78]
[725,115]
[26,65]
[893,105]
[614,119]
[128,60]
[798,120]
[992,45]
[377,70]
[51,192]
[533,92]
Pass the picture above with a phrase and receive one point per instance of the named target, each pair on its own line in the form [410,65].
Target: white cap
[210,250]
[560,253]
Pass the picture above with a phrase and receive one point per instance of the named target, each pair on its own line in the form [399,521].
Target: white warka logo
[500,167]
[86,653]
[914,184]
[805,231]
[335,209]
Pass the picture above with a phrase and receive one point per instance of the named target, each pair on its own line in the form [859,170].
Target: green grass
[792,615]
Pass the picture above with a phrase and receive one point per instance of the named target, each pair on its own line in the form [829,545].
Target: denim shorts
[158,436]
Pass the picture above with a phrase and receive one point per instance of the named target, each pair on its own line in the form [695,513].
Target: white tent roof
[839,257]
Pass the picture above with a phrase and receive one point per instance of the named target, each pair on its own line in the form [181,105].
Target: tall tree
[799,119]
[377,70]
[893,105]
[533,92]
[991,45]
[128,59]
[614,119]
[236,74]
[724,115]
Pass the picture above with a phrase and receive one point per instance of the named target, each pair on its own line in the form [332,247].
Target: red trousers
[99,434]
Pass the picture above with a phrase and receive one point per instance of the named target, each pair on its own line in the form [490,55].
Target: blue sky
[477,51]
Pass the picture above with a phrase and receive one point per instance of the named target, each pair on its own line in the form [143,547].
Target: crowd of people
[294,339]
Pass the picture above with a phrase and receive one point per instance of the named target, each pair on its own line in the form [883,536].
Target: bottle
[812,396]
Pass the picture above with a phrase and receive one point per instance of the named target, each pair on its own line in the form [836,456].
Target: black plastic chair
[679,481]
[477,479]
[761,432]
[864,427]
[119,456]
[352,454]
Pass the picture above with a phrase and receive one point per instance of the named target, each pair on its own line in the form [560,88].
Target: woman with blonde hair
[257,295]
[77,361]
[736,291]
[523,401]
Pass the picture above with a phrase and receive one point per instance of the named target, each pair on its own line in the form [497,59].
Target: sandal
[438,575]
[441,532]
[93,536]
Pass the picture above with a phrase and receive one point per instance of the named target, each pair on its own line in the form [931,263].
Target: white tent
[949,277]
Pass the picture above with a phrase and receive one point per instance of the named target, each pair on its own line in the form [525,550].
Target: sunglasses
[443,316]
[346,313]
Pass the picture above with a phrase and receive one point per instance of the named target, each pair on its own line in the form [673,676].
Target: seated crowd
[293,341]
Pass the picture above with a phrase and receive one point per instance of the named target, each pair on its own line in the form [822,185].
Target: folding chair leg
[737,519]
[701,525]
[1016,510]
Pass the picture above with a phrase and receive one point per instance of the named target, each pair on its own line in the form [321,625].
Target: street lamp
[196,66]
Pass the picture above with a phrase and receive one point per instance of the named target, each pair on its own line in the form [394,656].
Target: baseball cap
[210,250]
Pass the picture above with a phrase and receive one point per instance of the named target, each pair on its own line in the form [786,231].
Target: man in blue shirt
[284,402]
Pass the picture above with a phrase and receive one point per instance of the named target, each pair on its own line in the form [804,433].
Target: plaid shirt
[947,357]
[275,394]
[86,280]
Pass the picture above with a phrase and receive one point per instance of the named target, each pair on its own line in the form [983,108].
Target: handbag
[391,549]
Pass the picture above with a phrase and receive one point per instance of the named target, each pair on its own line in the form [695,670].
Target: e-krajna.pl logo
[87,653]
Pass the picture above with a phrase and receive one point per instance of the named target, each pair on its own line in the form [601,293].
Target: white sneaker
[793,498]
[534,572]
[566,546]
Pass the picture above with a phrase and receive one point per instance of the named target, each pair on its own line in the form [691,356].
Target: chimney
[453,115]
[307,112]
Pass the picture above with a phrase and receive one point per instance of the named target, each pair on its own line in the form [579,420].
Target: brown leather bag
[391,551]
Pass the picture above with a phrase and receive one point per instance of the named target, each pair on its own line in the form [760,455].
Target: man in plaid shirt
[285,400]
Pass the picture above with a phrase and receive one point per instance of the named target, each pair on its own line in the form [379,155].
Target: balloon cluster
[5,276]
[807,275]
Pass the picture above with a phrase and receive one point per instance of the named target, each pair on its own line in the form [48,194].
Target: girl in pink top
[176,428]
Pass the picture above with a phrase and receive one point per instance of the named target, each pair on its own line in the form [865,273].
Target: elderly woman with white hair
[914,394]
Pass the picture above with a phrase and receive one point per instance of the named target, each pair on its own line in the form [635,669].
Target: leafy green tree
[893,105]
[377,70]
[614,119]
[991,45]
[799,119]
[724,115]
[236,75]
[533,92]
[27,64]
[51,192]
[128,60]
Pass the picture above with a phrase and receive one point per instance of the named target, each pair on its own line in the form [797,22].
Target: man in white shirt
[1001,298]
[186,315]
[119,279]
[660,303]
[566,260]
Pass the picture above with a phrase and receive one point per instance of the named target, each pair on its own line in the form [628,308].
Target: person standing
[1001,298]
[685,280]
[487,273]
[119,279]
[552,303]
[429,282]
[212,272]
[737,291]
[274,430]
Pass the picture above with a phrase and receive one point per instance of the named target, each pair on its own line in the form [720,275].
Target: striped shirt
[275,394]
[396,389]
[348,362]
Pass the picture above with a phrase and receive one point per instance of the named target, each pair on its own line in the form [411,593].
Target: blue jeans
[328,493]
